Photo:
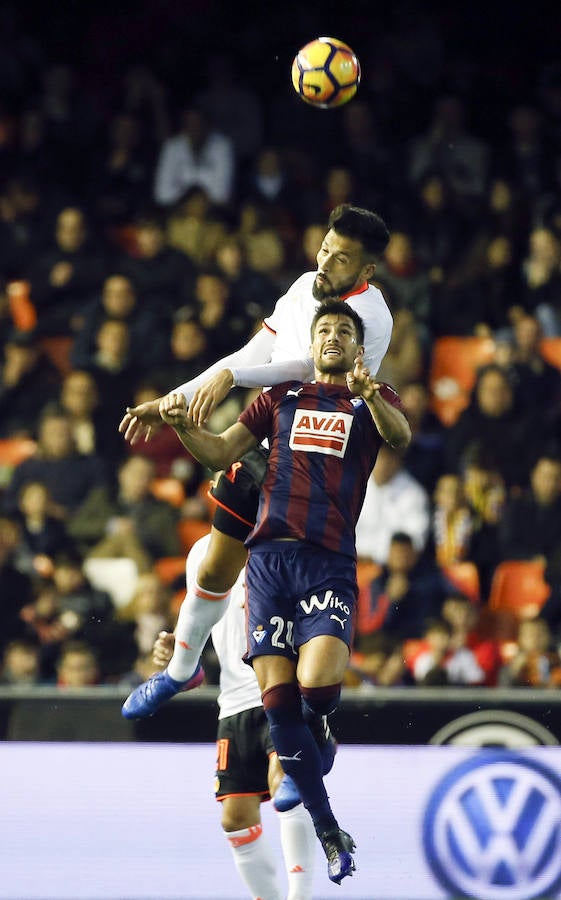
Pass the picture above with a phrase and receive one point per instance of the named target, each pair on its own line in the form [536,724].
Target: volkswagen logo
[492,829]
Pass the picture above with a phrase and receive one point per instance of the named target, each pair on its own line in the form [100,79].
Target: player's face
[341,267]
[334,346]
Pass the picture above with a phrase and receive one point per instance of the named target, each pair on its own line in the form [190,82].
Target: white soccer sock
[255,862]
[199,611]
[299,845]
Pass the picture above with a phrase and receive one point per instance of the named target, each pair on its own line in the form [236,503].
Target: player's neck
[331,377]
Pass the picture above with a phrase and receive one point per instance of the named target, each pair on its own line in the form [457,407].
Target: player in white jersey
[247,767]
[279,352]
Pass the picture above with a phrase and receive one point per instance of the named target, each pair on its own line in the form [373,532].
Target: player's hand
[209,395]
[140,421]
[173,409]
[359,381]
[162,651]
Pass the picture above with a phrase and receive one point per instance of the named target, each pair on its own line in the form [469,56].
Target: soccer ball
[326,73]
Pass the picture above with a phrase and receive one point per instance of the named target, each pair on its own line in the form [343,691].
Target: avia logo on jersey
[316,432]
[329,601]
[492,828]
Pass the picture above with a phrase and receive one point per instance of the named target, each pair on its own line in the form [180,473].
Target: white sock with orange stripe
[299,845]
[199,611]
[255,862]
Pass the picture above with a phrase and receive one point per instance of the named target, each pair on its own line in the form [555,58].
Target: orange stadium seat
[169,568]
[551,351]
[190,530]
[13,451]
[170,490]
[465,576]
[519,587]
[453,370]
[57,348]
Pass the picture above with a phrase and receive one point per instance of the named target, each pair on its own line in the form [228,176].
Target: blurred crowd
[149,223]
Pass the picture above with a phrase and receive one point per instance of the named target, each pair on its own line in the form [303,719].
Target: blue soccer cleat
[338,847]
[287,795]
[147,698]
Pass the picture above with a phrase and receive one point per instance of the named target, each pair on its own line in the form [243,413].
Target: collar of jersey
[360,290]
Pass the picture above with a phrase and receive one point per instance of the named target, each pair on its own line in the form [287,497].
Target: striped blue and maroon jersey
[323,444]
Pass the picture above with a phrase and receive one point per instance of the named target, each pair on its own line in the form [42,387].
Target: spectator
[148,612]
[187,355]
[537,383]
[195,226]
[43,536]
[122,167]
[232,107]
[93,426]
[377,661]
[67,275]
[495,423]
[198,155]
[77,665]
[530,526]
[168,454]
[68,475]
[484,489]
[452,521]
[252,292]
[27,381]
[68,606]
[535,663]
[224,325]
[113,367]
[21,664]
[408,591]
[118,300]
[451,150]
[407,284]
[541,277]
[16,587]
[467,631]
[423,458]
[440,662]
[127,520]
[394,502]
[162,274]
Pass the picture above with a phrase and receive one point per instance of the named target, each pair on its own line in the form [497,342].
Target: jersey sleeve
[257,417]
[377,338]
[256,352]
[273,373]
[391,396]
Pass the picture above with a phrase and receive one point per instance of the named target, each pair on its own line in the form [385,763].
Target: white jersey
[280,351]
[292,316]
[239,689]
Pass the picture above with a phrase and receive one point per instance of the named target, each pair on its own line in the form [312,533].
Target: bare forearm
[208,448]
[392,425]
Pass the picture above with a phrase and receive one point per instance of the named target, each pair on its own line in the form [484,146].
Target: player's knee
[321,700]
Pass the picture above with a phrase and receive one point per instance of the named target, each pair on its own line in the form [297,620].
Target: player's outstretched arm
[216,451]
[212,392]
[140,421]
[391,423]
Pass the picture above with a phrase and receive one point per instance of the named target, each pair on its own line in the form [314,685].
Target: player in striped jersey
[301,570]
[279,352]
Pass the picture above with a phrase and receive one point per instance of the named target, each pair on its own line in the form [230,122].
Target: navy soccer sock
[317,703]
[298,752]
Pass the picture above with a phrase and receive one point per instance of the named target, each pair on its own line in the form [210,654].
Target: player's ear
[368,271]
[360,350]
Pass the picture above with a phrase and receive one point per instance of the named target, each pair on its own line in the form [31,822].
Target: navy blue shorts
[296,592]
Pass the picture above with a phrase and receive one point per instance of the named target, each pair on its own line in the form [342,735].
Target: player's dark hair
[339,307]
[360,225]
